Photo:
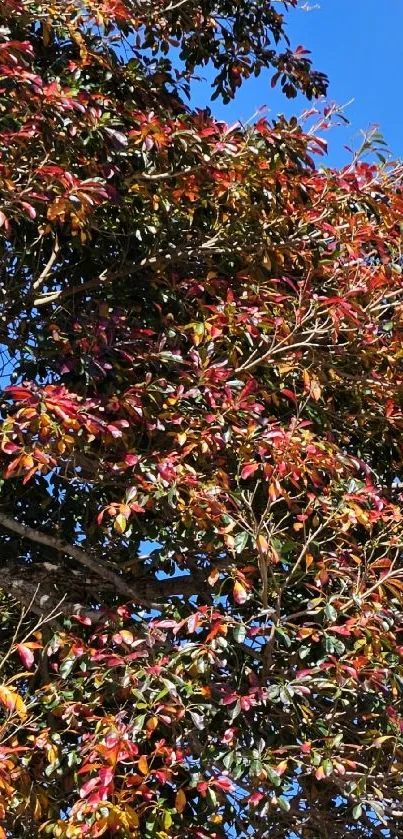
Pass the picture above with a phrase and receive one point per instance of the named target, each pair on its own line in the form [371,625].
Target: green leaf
[284,804]
[330,612]
[239,633]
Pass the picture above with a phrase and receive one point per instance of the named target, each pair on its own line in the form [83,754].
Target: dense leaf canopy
[200,440]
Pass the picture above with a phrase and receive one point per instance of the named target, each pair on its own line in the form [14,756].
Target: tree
[200,440]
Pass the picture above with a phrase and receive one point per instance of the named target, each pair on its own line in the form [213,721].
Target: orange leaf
[152,724]
[7,698]
[143,765]
[180,801]
[308,561]
[262,544]
[213,576]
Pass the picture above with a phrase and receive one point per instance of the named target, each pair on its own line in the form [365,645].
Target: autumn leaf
[240,593]
[143,765]
[262,544]
[26,655]
[248,470]
[12,701]
[180,801]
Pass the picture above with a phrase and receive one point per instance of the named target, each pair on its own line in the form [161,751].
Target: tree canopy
[200,439]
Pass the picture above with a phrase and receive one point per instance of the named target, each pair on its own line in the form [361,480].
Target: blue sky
[359,44]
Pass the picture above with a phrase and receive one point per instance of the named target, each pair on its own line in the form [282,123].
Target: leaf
[289,394]
[120,523]
[315,390]
[240,593]
[380,740]
[198,720]
[330,612]
[262,544]
[142,765]
[213,577]
[12,701]
[119,139]
[26,655]
[152,724]
[180,801]
[29,209]
[248,470]
[166,820]
[284,804]
[241,540]
[126,636]
[89,786]
[239,633]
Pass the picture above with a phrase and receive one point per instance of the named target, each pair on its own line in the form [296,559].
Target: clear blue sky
[359,44]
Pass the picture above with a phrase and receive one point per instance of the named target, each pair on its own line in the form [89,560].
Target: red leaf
[31,212]
[289,394]
[88,787]
[131,459]
[224,783]
[248,470]
[26,655]
[255,798]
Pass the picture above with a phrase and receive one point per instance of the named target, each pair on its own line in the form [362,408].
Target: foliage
[200,440]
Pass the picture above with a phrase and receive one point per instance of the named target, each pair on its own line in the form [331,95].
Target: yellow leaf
[152,724]
[52,754]
[308,561]
[180,801]
[132,816]
[126,636]
[12,701]
[167,820]
[143,765]
[20,707]
[120,523]
[307,380]
[7,698]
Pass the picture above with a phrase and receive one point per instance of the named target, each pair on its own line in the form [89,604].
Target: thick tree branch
[34,598]
[148,592]
[73,551]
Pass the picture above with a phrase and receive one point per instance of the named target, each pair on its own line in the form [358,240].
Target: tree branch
[148,592]
[41,603]
[73,551]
